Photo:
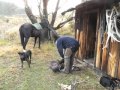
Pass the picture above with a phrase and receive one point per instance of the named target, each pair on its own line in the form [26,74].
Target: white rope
[112,30]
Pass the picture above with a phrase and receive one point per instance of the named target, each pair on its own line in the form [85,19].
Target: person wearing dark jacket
[67,48]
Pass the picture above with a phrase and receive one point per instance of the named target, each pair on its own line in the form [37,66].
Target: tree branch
[45,13]
[55,13]
[29,13]
[63,23]
[69,10]
[39,8]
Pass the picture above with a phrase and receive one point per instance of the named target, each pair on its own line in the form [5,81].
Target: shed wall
[106,60]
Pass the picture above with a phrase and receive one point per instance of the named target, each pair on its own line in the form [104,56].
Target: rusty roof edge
[94,2]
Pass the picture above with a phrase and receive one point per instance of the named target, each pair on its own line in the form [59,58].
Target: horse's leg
[21,63]
[22,40]
[30,57]
[35,41]
[39,42]
[25,43]
[49,36]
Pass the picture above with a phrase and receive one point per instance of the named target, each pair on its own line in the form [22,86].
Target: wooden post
[96,43]
[113,61]
[118,75]
[98,48]
[98,61]
[104,55]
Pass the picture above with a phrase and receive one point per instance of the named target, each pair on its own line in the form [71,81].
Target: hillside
[10,9]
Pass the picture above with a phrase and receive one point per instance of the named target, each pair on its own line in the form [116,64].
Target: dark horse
[27,30]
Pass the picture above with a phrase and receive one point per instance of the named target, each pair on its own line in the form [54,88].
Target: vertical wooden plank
[77,38]
[118,75]
[116,67]
[98,41]
[86,35]
[113,59]
[79,52]
[82,39]
[104,55]
[98,52]
[81,44]
[117,59]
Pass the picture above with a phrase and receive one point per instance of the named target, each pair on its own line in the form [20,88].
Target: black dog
[109,82]
[25,56]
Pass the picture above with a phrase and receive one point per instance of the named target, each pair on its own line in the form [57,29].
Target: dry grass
[39,76]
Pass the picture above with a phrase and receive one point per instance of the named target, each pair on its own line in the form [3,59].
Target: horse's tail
[21,35]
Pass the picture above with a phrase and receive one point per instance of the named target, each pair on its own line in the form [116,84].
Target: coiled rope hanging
[111,27]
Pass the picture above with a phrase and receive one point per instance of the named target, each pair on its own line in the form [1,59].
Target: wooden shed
[90,31]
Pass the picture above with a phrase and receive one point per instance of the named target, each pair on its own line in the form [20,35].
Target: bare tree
[44,16]
[55,13]
[39,8]
[29,13]
[45,13]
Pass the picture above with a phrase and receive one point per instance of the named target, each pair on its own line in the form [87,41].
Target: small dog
[25,56]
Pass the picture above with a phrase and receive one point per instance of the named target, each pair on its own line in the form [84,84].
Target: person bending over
[67,48]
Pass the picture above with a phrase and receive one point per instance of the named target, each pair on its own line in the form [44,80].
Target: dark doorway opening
[91,37]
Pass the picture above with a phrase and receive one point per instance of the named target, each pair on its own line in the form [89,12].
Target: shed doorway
[91,37]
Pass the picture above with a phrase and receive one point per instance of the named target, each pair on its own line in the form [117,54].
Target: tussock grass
[39,76]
